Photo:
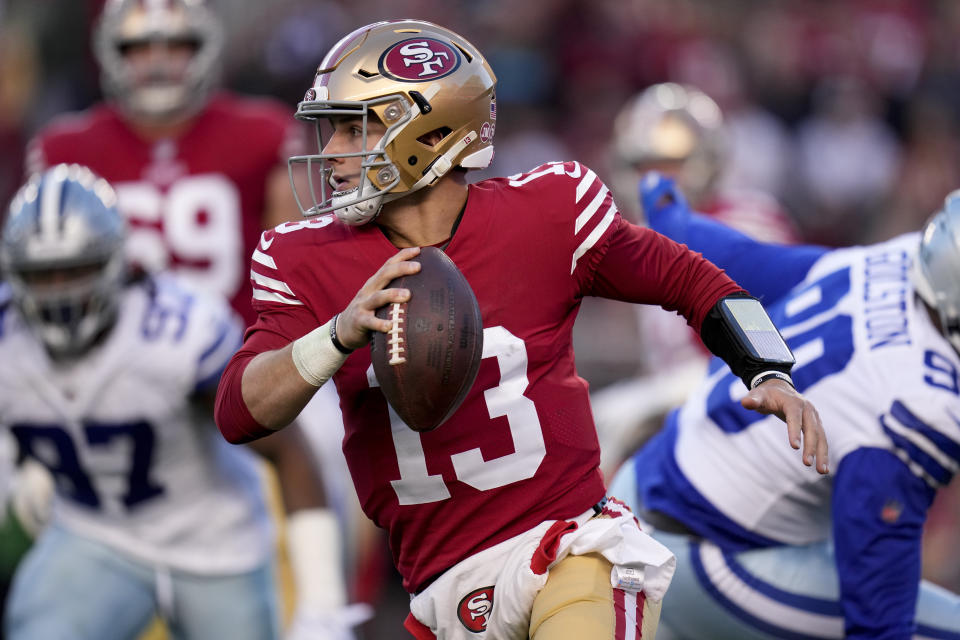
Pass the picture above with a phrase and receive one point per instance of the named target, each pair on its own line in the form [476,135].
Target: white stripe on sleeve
[271,283]
[270,296]
[594,235]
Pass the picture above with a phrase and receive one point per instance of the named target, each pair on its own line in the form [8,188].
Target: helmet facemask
[157,88]
[431,90]
[68,308]
[311,176]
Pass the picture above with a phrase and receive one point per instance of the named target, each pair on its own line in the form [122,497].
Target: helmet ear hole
[435,137]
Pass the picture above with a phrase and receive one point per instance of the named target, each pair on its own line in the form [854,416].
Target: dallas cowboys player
[764,548]
[103,379]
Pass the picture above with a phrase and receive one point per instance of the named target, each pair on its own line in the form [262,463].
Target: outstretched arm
[660,271]
[783,266]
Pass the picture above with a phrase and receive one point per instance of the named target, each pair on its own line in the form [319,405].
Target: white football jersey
[870,360]
[139,465]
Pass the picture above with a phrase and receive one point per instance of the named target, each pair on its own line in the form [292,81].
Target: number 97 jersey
[138,464]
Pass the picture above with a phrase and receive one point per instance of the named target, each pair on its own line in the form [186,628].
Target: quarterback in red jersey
[198,174]
[498,520]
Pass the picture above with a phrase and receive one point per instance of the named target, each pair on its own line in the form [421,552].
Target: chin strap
[366,210]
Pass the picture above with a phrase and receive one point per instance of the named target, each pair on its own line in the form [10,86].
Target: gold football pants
[578,602]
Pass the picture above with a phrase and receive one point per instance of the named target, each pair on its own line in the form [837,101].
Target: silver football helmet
[417,78]
[672,128]
[936,270]
[62,253]
[159,92]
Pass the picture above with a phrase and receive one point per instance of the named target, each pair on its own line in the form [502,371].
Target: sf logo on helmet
[419,59]
[475,607]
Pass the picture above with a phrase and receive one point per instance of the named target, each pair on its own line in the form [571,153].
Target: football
[429,360]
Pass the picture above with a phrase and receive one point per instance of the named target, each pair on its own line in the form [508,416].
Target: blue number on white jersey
[37,440]
[822,349]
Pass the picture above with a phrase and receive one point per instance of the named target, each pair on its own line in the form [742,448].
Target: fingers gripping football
[428,357]
[358,320]
[779,398]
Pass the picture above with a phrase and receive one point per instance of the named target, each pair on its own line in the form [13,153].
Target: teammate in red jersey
[199,173]
[497,520]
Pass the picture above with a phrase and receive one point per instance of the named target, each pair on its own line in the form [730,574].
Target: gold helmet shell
[416,78]
[672,128]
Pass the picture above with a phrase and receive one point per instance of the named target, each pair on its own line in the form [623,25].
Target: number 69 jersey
[522,448]
[194,203]
[137,464]
[886,384]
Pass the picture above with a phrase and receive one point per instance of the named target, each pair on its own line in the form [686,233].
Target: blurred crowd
[847,112]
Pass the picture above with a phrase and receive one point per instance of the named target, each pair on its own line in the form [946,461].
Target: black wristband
[769,375]
[719,336]
[333,337]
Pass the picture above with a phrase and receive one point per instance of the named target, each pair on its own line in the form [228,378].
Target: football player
[497,520]
[765,549]
[199,171]
[107,379]
[680,131]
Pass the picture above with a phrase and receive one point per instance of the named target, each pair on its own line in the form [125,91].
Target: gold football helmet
[672,128]
[416,78]
[159,93]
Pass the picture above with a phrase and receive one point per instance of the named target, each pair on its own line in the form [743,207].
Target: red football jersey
[522,448]
[194,203]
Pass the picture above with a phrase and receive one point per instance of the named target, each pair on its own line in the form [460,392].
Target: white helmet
[416,78]
[164,94]
[672,124]
[62,253]
[936,270]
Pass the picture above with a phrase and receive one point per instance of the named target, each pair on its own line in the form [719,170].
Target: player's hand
[359,318]
[664,206]
[779,398]
[329,625]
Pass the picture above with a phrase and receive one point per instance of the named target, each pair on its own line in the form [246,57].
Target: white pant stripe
[761,605]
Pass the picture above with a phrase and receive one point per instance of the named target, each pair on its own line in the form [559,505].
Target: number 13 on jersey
[417,486]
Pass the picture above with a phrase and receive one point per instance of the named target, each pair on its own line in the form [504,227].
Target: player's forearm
[273,390]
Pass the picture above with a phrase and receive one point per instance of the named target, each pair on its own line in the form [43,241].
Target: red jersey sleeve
[281,318]
[641,265]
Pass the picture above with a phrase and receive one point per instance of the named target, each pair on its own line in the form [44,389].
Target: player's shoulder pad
[71,123]
[199,309]
[282,253]
[550,174]
[563,187]
[296,234]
